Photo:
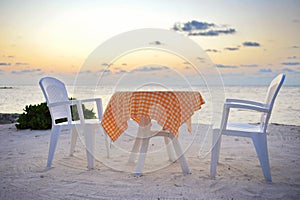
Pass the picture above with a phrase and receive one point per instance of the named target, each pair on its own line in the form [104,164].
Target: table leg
[182,160]
[142,157]
[135,149]
[143,137]
[144,126]
[169,149]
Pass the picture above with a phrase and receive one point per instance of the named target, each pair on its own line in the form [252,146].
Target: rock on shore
[7,118]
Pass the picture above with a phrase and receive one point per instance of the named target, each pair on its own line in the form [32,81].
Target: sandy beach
[23,156]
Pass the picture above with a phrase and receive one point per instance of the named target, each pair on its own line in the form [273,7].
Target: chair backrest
[270,99]
[55,91]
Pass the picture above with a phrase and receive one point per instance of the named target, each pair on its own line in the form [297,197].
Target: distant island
[5,87]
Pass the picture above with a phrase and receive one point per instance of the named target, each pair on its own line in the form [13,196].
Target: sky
[248,41]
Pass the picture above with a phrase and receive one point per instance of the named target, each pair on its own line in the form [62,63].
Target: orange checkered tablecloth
[169,109]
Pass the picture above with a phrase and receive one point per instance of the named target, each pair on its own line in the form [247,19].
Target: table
[169,108]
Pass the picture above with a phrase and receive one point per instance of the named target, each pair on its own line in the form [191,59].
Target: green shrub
[37,117]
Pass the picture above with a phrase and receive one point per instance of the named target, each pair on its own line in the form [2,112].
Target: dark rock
[6,118]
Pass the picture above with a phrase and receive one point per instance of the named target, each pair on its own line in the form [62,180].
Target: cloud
[252,65]
[26,71]
[295,47]
[265,70]
[106,64]
[122,71]
[212,50]
[5,64]
[105,71]
[193,25]
[197,28]
[290,63]
[85,72]
[296,21]
[1,71]
[213,32]
[156,43]
[226,66]
[124,64]
[292,57]
[232,48]
[150,69]
[251,44]
[288,70]
[21,63]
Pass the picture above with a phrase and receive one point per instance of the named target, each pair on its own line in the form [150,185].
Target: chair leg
[261,147]
[53,142]
[89,134]
[74,137]
[215,153]
[169,149]
[142,156]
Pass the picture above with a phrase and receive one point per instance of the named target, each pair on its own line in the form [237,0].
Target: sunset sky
[249,41]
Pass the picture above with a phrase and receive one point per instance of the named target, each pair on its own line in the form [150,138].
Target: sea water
[286,109]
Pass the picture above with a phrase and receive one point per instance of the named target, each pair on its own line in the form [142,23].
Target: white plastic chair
[256,132]
[59,105]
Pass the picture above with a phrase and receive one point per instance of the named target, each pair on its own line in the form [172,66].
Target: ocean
[286,109]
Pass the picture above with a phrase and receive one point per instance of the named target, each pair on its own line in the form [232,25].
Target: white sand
[23,156]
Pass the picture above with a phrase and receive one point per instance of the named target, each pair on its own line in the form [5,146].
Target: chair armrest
[98,105]
[245,102]
[78,103]
[70,103]
[247,107]
[90,100]
[242,104]
[61,103]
